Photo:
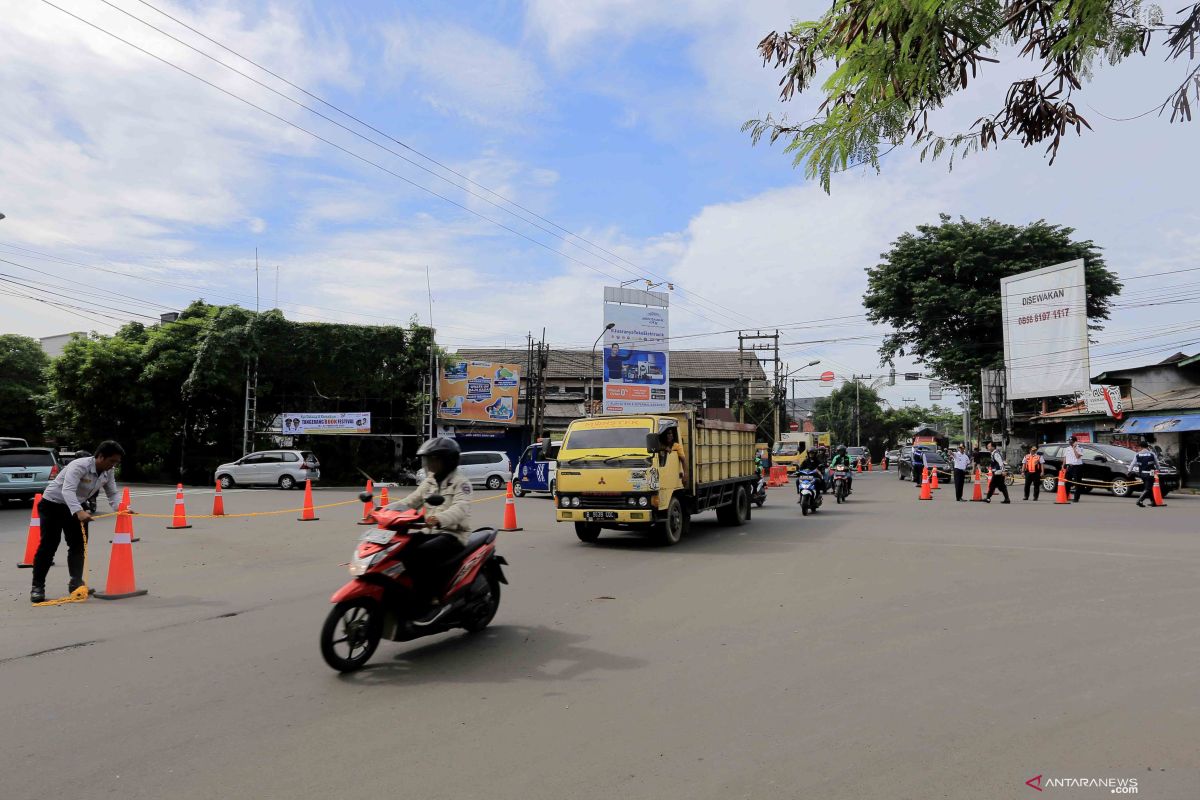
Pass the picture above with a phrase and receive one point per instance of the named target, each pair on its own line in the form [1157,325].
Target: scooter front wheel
[351,633]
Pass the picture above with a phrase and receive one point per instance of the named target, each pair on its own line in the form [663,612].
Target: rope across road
[259,513]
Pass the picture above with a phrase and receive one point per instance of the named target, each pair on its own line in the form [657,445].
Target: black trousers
[916,470]
[1147,488]
[1074,472]
[58,523]
[425,560]
[1035,480]
[959,476]
[997,483]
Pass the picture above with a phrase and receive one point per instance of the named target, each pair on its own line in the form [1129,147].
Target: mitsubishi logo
[601,482]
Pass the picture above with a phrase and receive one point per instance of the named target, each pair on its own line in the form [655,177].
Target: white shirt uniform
[962,461]
[79,482]
[1073,458]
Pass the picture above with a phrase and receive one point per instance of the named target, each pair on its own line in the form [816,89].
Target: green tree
[851,416]
[939,289]
[886,66]
[22,379]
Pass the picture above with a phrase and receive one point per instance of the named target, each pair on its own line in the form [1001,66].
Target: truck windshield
[599,438]
[786,450]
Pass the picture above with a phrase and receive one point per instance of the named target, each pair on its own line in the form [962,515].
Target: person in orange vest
[1033,466]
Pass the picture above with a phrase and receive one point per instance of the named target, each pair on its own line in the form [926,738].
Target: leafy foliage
[939,289]
[22,379]
[174,394]
[892,63]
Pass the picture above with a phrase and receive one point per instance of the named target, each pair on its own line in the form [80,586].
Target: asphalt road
[888,648]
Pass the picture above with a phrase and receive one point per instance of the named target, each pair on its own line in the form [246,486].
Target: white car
[286,469]
[490,468]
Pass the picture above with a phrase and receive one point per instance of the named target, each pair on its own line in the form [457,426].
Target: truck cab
[536,470]
[616,472]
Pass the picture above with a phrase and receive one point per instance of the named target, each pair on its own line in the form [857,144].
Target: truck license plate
[599,515]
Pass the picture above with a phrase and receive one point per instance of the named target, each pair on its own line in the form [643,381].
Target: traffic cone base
[120,583]
[510,512]
[179,520]
[34,537]
[308,514]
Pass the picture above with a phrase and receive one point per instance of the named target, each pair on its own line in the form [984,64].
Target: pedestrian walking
[999,468]
[962,464]
[66,509]
[1033,466]
[1147,464]
[1073,458]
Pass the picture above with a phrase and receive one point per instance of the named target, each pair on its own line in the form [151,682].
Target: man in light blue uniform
[1147,465]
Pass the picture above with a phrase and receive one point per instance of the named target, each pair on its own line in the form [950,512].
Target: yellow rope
[256,513]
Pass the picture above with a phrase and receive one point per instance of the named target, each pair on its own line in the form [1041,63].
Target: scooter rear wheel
[485,616]
[351,633]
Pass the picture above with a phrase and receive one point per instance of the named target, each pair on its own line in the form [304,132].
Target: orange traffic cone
[218,502]
[977,492]
[510,511]
[121,583]
[180,519]
[933,474]
[926,493]
[884,464]
[383,498]
[1061,497]
[35,535]
[125,519]
[367,507]
[308,514]
[1157,495]
[858,465]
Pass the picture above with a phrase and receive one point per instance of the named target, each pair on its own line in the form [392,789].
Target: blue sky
[617,120]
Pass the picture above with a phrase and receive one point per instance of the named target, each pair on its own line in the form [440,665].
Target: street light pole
[592,372]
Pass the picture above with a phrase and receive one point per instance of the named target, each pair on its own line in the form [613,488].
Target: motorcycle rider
[449,523]
[816,462]
[841,459]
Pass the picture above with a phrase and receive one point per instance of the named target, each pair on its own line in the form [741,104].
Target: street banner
[1104,400]
[1045,332]
[478,391]
[296,422]
[635,362]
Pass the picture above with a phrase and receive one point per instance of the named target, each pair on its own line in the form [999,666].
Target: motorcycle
[806,487]
[760,491]
[380,601]
[841,483]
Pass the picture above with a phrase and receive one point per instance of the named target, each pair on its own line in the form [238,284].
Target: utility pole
[749,354]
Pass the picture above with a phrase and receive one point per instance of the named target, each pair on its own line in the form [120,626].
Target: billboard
[635,362]
[296,422]
[1045,332]
[478,391]
[1104,400]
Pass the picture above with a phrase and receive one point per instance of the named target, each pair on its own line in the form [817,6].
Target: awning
[1164,424]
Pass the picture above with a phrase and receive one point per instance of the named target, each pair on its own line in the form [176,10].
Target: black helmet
[445,449]
[841,449]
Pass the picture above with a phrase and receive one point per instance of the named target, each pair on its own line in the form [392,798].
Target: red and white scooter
[379,601]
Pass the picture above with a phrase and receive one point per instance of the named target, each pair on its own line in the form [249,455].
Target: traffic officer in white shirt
[998,470]
[66,509]
[1147,465]
[962,464]
[1073,458]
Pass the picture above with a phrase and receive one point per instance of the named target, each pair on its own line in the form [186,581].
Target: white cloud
[463,73]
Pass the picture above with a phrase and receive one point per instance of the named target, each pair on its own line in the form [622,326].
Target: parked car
[286,469]
[1105,466]
[65,457]
[25,472]
[490,468]
[12,441]
[933,457]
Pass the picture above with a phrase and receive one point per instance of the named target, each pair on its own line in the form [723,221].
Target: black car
[1105,466]
[932,457]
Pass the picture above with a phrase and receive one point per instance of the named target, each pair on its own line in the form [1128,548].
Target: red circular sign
[795,426]
[827,376]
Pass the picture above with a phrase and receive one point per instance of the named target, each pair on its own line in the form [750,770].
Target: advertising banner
[635,360]
[478,391]
[1104,400]
[1045,332]
[325,422]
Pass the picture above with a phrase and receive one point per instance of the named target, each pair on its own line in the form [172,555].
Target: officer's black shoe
[1005,502]
[74,584]
[37,594]
[1140,504]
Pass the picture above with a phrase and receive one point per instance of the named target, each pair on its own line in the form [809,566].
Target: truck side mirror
[651,442]
[544,448]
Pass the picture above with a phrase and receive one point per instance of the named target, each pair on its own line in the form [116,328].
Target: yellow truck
[614,473]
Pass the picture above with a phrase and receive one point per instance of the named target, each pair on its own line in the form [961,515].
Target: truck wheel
[587,531]
[672,529]
[737,512]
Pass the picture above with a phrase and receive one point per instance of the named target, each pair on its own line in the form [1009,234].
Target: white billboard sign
[323,422]
[635,361]
[1045,332]
[1104,400]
